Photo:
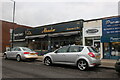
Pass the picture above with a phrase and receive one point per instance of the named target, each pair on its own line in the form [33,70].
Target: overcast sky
[43,12]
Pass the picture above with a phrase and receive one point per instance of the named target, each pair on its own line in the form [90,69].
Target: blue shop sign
[111,30]
[111,26]
[109,38]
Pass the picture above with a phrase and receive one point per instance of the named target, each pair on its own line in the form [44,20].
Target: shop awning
[64,34]
[20,40]
[36,36]
[54,34]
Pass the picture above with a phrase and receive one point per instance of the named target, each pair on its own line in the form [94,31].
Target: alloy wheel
[82,65]
[18,58]
[5,56]
[47,61]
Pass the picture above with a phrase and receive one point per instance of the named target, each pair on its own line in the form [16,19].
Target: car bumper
[95,62]
[30,57]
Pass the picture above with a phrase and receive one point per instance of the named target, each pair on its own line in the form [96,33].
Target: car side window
[62,50]
[74,49]
[80,49]
[13,49]
[17,49]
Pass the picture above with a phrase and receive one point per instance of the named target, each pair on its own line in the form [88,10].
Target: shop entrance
[96,44]
[93,42]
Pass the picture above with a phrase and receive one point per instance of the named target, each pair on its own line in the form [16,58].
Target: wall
[6,26]
[94,23]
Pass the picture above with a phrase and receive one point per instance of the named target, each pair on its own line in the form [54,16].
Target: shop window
[115,49]
[106,50]
[89,42]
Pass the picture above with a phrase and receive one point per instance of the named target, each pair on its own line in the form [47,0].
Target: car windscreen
[92,49]
[26,49]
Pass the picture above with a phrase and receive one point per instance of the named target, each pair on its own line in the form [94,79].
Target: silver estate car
[81,56]
[20,53]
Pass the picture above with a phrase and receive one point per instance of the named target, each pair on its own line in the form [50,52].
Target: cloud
[43,13]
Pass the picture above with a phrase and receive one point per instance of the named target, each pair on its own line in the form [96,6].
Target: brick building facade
[5,28]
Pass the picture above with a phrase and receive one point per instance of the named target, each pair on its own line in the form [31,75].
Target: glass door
[96,44]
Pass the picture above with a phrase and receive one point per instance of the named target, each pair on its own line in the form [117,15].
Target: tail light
[26,52]
[36,53]
[91,54]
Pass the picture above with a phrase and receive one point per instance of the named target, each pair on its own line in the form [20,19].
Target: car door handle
[63,55]
[77,54]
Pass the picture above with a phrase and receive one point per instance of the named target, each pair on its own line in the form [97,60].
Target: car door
[73,53]
[13,52]
[59,55]
[10,53]
[16,51]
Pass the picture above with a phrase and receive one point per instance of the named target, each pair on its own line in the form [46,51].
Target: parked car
[81,56]
[20,53]
[117,66]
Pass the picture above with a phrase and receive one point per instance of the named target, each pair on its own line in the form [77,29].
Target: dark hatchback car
[117,66]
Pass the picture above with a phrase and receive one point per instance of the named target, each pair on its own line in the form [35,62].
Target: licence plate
[97,57]
[32,53]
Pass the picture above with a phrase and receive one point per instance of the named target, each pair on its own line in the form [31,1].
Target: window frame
[63,48]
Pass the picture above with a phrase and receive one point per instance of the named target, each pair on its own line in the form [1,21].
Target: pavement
[105,63]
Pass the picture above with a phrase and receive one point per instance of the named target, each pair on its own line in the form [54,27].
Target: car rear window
[26,49]
[92,49]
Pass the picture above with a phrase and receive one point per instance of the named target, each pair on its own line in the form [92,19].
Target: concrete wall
[96,23]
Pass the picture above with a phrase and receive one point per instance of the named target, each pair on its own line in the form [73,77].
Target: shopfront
[92,32]
[50,37]
[19,37]
[111,37]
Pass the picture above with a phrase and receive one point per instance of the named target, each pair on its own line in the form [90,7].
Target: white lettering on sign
[112,22]
[114,39]
[18,34]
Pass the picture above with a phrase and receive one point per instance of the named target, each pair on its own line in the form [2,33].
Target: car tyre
[82,65]
[47,61]
[18,58]
[5,56]
[117,67]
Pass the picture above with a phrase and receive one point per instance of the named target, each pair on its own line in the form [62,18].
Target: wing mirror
[55,51]
[8,49]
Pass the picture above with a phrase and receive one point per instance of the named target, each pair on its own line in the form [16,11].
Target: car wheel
[5,56]
[18,58]
[117,67]
[47,61]
[82,65]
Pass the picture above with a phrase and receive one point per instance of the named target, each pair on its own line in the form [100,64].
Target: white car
[81,56]
[20,53]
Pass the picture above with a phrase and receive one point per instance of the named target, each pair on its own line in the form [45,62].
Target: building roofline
[16,24]
[59,23]
[101,18]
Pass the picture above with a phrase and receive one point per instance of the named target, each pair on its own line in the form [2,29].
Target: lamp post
[13,23]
